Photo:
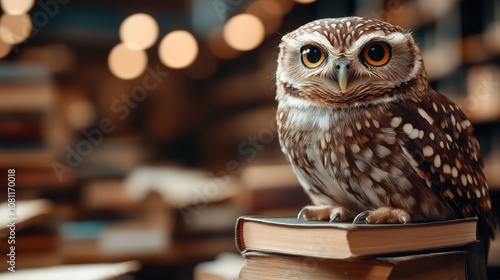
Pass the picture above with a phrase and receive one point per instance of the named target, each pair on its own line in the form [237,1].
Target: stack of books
[286,248]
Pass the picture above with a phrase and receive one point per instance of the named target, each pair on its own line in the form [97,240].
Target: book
[149,238]
[105,194]
[25,213]
[99,271]
[287,235]
[31,135]
[267,174]
[259,196]
[33,239]
[152,235]
[42,178]
[226,266]
[21,130]
[178,187]
[442,265]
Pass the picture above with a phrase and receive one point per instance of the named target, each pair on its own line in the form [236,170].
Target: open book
[24,213]
[344,240]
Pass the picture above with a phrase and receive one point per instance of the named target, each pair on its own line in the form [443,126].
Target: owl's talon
[361,217]
[388,215]
[405,219]
[324,213]
[302,212]
[335,217]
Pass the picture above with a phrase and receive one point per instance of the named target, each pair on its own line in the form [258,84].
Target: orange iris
[312,56]
[377,54]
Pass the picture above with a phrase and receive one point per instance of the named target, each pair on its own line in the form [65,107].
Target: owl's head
[347,61]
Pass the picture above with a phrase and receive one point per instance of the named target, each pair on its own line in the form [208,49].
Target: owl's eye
[376,54]
[312,56]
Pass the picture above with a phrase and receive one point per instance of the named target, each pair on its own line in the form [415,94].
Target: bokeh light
[80,114]
[305,1]
[125,63]
[481,103]
[178,49]
[14,29]
[16,7]
[244,32]
[139,31]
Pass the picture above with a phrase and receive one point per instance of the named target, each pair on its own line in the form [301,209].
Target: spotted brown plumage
[363,130]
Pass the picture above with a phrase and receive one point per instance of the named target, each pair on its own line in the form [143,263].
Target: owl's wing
[438,140]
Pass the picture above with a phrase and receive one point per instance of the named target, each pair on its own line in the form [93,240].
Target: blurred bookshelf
[156,168]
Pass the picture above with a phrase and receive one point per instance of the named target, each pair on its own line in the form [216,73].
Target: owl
[365,134]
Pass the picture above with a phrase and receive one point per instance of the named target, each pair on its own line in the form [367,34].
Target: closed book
[287,235]
[444,265]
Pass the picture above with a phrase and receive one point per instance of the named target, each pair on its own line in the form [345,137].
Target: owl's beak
[342,75]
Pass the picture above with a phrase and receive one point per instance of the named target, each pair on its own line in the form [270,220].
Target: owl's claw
[324,213]
[302,212]
[335,217]
[361,217]
[383,215]
[388,215]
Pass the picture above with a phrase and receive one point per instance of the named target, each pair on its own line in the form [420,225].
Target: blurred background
[140,130]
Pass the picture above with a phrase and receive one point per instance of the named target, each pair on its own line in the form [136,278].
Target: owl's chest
[356,160]
[340,152]
[333,136]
